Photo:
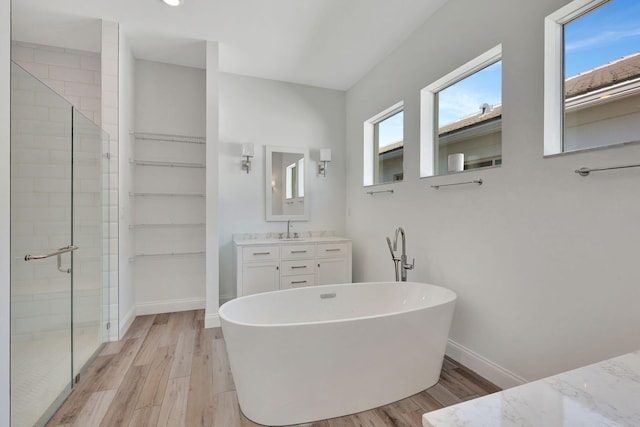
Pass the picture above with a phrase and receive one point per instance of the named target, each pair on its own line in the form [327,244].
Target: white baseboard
[212,320]
[169,306]
[125,322]
[493,372]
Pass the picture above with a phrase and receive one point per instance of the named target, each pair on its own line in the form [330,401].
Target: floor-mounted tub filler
[320,352]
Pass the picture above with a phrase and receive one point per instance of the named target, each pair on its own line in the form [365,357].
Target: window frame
[429,109]
[370,152]
[554,78]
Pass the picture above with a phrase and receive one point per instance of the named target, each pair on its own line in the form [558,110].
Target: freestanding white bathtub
[320,352]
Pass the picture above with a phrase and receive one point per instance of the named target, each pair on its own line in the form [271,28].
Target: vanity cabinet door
[260,277]
[332,271]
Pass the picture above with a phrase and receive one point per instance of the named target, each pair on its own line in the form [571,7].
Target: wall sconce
[325,157]
[247,153]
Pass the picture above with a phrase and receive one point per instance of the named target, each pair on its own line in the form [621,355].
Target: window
[294,180]
[384,146]
[592,75]
[461,118]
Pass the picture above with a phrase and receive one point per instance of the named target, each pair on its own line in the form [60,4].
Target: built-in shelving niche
[169,214]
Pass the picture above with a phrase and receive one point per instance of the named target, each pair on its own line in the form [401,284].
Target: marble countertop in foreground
[603,394]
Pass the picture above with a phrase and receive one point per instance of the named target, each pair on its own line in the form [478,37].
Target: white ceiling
[326,43]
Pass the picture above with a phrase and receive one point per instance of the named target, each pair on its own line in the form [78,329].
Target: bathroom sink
[292,239]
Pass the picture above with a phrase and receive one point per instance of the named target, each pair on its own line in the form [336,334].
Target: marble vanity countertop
[305,237]
[603,394]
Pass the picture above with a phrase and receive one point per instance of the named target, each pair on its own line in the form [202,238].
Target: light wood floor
[170,371]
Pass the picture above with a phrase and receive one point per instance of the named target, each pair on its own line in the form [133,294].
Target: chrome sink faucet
[288,229]
[401,263]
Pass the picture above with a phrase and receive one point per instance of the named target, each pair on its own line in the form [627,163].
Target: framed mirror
[285,177]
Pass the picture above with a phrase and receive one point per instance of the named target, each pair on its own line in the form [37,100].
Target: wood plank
[117,369]
[121,410]
[161,319]
[184,354]
[425,401]
[246,422]
[193,321]
[89,383]
[217,333]
[156,382]
[139,327]
[443,396]
[201,400]
[174,406]
[95,409]
[112,347]
[149,347]
[145,417]
[222,378]
[361,419]
[227,411]
[174,327]
[413,418]
[483,384]
[457,388]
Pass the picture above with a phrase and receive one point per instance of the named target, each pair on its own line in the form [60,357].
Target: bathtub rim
[451,298]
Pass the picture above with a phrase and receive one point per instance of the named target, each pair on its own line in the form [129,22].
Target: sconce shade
[173,2]
[325,154]
[247,149]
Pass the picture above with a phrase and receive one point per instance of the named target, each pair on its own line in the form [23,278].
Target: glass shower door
[90,232]
[41,251]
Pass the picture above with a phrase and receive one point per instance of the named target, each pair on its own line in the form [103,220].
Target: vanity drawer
[290,282]
[298,251]
[331,250]
[303,266]
[260,253]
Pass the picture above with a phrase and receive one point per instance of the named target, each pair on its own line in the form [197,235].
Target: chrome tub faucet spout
[401,264]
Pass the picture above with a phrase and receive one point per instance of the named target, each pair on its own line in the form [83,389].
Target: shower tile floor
[41,370]
[170,371]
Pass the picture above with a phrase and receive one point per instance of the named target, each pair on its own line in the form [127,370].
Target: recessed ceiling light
[173,2]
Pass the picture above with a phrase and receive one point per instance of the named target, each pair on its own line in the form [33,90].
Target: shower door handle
[57,253]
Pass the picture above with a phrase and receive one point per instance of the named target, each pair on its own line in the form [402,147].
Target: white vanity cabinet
[262,266]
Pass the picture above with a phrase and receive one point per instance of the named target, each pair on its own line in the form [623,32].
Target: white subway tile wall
[74,74]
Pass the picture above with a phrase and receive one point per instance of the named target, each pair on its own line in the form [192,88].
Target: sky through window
[606,34]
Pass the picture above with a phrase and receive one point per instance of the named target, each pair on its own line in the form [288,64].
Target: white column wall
[5,185]
[109,108]
[212,179]
[126,120]
[544,261]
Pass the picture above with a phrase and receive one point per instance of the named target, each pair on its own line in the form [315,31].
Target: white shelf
[166,254]
[166,195]
[165,137]
[167,164]
[189,225]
